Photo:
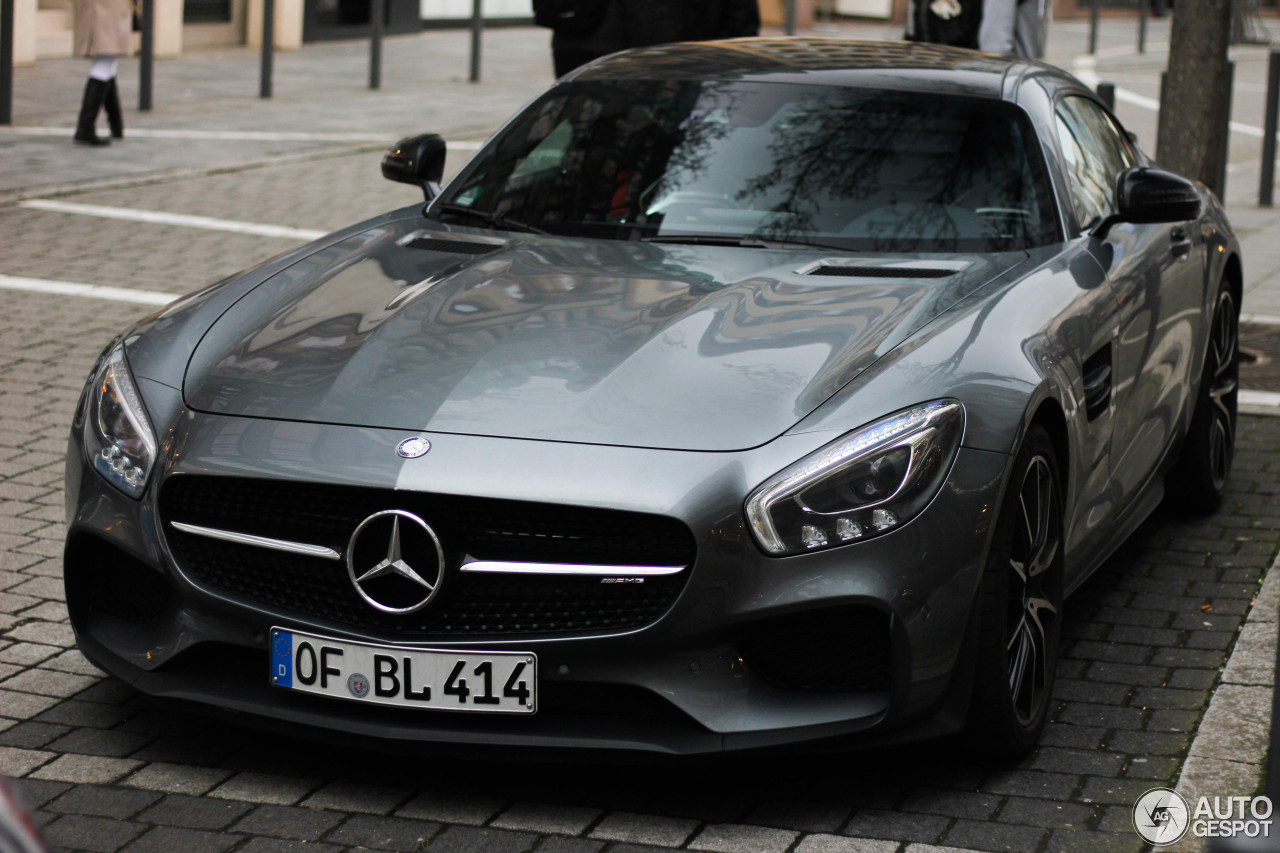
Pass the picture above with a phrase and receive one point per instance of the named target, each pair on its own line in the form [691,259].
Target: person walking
[581,30]
[1014,27]
[584,30]
[102,29]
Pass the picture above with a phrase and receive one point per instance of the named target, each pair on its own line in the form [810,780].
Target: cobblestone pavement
[107,769]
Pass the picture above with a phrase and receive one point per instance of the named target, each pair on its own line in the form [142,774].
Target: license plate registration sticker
[444,679]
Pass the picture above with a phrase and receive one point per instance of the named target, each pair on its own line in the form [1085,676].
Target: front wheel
[1021,606]
[1199,480]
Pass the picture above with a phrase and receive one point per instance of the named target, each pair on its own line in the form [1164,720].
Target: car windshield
[737,162]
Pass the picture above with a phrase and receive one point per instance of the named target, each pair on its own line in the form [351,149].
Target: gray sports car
[733,395]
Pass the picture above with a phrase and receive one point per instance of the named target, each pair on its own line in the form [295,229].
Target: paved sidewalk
[1169,659]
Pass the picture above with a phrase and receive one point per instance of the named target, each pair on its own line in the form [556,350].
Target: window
[1095,151]
[728,160]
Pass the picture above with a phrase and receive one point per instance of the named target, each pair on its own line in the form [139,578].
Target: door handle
[1181,243]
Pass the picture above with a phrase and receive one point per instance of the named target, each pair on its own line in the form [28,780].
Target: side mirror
[417,160]
[1146,195]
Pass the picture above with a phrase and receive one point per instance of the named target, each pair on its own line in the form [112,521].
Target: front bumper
[693,680]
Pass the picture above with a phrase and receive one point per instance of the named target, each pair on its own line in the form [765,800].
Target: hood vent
[879,272]
[452,247]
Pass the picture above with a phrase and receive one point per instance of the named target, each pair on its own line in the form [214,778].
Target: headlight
[126,444]
[866,483]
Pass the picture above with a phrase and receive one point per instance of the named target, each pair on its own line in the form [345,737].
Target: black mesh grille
[475,604]
[881,272]
[453,247]
[831,651]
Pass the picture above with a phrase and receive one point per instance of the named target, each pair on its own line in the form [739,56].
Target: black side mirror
[1145,194]
[1154,195]
[417,160]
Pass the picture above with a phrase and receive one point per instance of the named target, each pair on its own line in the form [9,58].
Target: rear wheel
[1200,478]
[1021,606]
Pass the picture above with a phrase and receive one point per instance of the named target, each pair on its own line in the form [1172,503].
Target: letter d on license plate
[447,680]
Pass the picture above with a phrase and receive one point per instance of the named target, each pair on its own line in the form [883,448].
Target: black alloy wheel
[1022,607]
[1200,478]
[1031,614]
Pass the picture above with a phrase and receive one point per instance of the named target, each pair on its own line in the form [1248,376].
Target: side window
[1096,152]
[1084,194]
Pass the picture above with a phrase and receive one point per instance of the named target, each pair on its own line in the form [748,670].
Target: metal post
[145,66]
[6,61]
[1267,181]
[477,31]
[268,46]
[791,17]
[1143,8]
[377,13]
[1220,185]
[1093,27]
[1107,92]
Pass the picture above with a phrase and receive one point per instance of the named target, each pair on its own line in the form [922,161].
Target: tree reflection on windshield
[728,161]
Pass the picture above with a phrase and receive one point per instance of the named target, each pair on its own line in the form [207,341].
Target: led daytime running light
[917,429]
[119,417]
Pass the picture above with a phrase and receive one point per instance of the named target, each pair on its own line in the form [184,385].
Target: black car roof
[838,62]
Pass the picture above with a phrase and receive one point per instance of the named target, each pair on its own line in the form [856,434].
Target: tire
[1021,600]
[1199,480]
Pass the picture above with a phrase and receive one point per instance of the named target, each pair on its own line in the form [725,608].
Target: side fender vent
[1097,383]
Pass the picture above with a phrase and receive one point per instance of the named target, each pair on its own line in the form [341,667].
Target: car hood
[597,341]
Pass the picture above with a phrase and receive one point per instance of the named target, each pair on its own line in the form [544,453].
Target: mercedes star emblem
[395,561]
[412,448]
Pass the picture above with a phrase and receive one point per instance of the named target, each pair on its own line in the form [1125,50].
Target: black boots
[115,118]
[95,93]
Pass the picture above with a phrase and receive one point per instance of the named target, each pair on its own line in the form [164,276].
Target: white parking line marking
[93,291]
[1259,398]
[183,219]
[1261,319]
[1091,79]
[239,136]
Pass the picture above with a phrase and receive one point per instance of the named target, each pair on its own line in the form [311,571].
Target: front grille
[468,604]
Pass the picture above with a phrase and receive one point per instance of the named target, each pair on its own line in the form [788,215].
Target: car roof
[900,65]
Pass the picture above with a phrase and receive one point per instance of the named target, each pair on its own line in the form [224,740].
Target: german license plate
[496,682]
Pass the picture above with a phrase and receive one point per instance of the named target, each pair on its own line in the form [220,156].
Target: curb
[1228,755]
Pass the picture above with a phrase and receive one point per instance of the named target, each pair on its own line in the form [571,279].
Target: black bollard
[1107,92]
[377,13]
[1221,187]
[268,46]
[1093,27]
[147,60]
[477,30]
[6,61]
[1267,180]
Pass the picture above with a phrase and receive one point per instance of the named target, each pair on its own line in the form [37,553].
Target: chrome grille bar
[497,567]
[258,541]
